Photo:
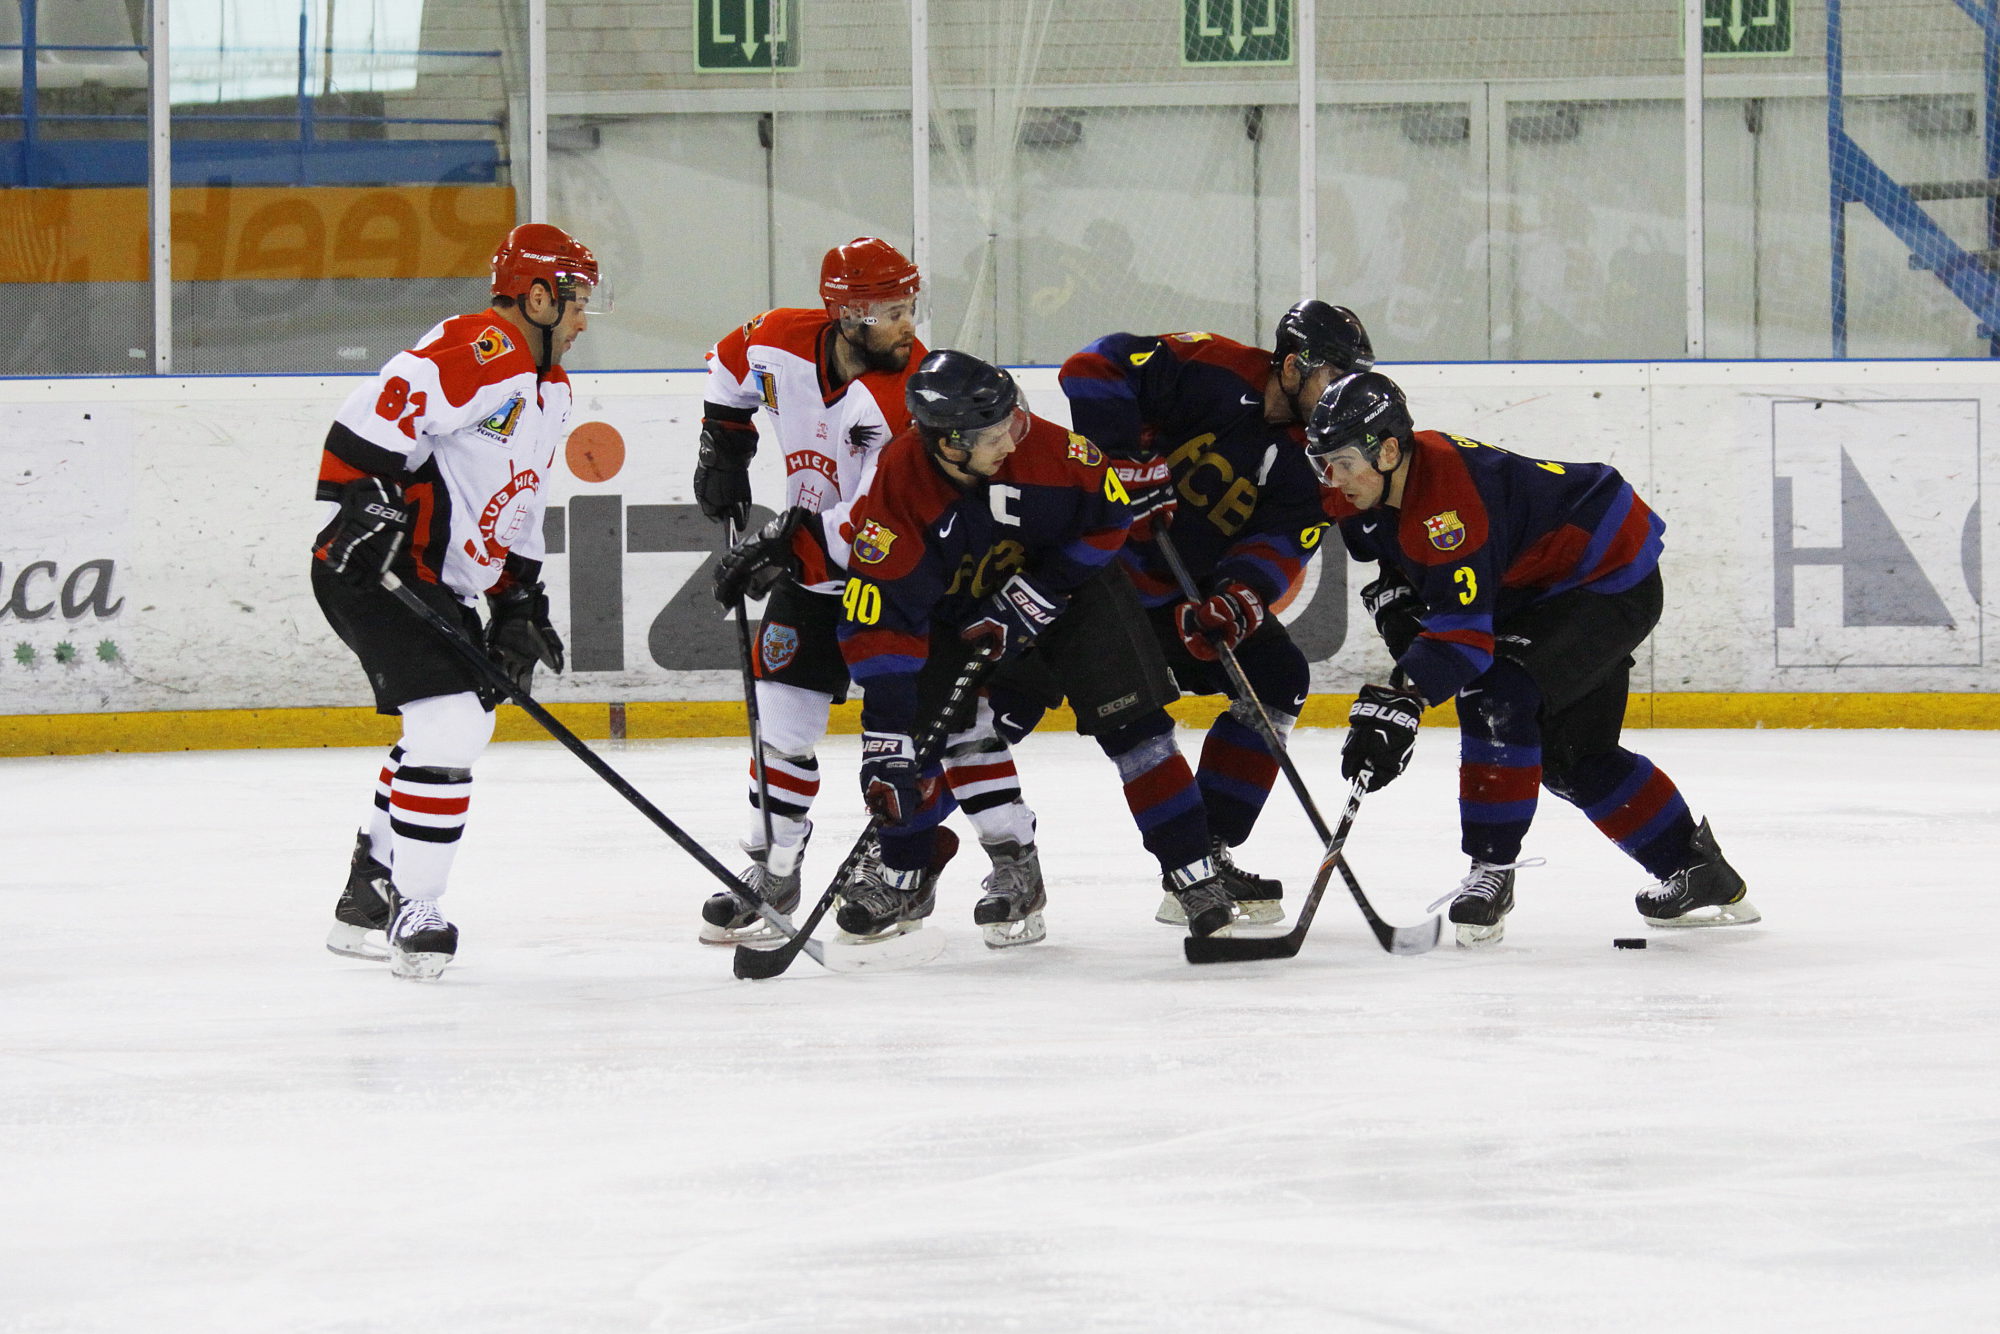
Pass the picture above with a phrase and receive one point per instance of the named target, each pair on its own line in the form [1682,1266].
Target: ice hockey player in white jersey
[436,470]
[830,384]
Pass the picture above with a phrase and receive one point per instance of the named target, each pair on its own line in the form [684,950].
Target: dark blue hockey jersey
[1249,502]
[1482,533]
[925,551]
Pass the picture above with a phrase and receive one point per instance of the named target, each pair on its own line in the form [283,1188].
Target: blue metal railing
[35,159]
[1854,177]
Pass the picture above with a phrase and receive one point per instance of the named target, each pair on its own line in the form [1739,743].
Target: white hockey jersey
[465,425]
[829,439]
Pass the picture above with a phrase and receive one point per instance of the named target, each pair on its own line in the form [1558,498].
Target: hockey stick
[731,532]
[486,667]
[762,963]
[1213,949]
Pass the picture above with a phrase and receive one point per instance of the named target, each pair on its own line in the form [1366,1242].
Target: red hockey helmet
[537,251]
[865,270]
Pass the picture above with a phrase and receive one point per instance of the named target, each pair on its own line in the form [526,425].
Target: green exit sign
[734,36]
[1746,27]
[1236,32]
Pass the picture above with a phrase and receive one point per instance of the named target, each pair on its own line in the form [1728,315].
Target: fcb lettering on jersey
[1249,507]
[872,542]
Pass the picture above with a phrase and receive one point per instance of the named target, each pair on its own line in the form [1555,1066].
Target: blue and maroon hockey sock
[1160,790]
[1500,762]
[1237,770]
[1635,805]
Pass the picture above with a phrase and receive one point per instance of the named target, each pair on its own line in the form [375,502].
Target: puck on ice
[1630,942]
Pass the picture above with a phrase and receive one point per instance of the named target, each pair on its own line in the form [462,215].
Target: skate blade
[884,952]
[756,937]
[1473,936]
[357,942]
[1006,935]
[1740,913]
[418,967]
[1249,912]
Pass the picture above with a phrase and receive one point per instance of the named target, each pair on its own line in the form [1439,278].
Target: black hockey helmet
[1322,335]
[1358,412]
[954,394]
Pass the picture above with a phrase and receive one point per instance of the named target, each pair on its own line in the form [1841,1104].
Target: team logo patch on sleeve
[1084,452]
[502,423]
[871,545]
[779,644]
[1445,531]
[490,344]
[767,390]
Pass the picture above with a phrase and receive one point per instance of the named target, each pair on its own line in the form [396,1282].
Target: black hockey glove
[891,784]
[722,469]
[1150,485]
[1393,603]
[1012,619]
[518,633]
[369,532]
[1229,616]
[1381,733]
[753,567]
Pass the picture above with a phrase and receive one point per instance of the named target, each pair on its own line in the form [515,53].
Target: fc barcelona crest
[779,644]
[1446,531]
[871,545]
[1083,451]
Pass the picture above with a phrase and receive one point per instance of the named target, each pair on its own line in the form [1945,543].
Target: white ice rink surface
[208,1123]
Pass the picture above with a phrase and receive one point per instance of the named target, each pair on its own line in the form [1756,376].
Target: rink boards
[1827,555]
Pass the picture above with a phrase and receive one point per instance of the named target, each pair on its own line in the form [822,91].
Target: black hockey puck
[1630,942]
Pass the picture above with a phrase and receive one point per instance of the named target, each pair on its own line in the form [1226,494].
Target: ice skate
[1257,897]
[421,942]
[878,903]
[1010,913]
[361,916]
[1708,893]
[1480,904]
[729,918]
[1201,895]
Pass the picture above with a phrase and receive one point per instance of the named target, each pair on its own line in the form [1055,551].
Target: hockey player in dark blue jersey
[987,531]
[1208,433]
[1521,587]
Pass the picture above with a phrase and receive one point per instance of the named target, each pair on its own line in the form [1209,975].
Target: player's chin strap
[547,357]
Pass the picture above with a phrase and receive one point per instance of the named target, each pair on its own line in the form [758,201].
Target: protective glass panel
[342,172]
[712,165]
[73,257]
[1088,179]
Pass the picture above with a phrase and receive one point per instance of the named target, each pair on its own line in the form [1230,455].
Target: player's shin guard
[427,811]
[1500,762]
[794,783]
[980,771]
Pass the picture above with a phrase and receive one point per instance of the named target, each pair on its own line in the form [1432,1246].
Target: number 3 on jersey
[862,602]
[1468,593]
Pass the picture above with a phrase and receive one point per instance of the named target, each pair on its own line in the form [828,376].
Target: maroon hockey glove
[1150,485]
[1010,620]
[1229,616]
[369,532]
[1381,733]
[722,469]
[891,784]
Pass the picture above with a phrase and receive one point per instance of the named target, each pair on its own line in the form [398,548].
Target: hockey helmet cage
[864,270]
[1322,335]
[1358,412]
[539,252]
[953,394]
